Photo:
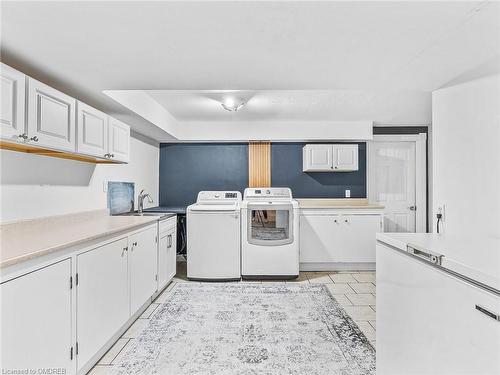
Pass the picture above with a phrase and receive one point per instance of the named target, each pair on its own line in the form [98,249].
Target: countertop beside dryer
[29,239]
[337,203]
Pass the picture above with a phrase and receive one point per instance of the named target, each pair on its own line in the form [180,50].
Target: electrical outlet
[348,194]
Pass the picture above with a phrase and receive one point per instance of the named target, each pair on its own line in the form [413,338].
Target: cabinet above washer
[340,157]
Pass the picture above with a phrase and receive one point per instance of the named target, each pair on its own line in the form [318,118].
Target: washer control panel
[218,196]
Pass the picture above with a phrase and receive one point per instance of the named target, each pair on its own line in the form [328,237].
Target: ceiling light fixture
[230,104]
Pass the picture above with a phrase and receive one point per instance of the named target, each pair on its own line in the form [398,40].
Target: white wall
[37,186]
[466,156]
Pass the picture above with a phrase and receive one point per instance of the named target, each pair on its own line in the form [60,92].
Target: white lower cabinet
[142,267]
[330,240]
[167,253]
[102,297]
[358,238]
[36,316]
[102,286]
[319,235]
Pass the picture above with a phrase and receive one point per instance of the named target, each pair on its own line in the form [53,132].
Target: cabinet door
[172,255]
[51,117]
[92,131]
[318,158]
[119,140]
[358,237]
[36,320]
[167,258]
[13,89]
[319,238]
[345,157]
[102,297]
[142,264]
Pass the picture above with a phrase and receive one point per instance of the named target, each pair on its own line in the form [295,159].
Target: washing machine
[213,236]
[269,234]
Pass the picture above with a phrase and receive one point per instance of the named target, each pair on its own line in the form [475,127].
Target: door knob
[413,208]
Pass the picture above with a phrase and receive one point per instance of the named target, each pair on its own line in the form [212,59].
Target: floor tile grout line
[117,354]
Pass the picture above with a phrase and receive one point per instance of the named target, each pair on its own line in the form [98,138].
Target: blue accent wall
[286,171]
[187,168]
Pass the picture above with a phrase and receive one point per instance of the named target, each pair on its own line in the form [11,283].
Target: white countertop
[337,203]
[475,257]
[33,238]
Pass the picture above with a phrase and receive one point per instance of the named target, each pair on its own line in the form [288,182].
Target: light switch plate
[105,186]
[348,194]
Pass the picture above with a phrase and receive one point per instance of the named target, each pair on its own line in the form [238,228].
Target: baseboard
[335,266]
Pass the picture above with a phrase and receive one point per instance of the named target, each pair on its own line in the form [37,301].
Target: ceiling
[297,60]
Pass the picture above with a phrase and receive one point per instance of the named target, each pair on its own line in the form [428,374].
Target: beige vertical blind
[259,164]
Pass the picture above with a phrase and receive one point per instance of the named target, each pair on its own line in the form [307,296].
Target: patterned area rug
[249,329]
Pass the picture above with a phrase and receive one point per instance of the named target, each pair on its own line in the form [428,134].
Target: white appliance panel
[213,245]
[427,320]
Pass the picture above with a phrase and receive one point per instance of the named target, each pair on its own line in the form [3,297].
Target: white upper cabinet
[13,97]
[330,157]
[118,141]
[345,157]
[51,117]
[317,157]
[92,129]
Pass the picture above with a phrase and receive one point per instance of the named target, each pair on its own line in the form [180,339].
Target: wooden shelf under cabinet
[30,149]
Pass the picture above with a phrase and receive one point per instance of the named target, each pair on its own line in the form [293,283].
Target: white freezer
[437,319]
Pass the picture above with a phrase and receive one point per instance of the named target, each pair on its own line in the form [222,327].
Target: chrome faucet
[140,201]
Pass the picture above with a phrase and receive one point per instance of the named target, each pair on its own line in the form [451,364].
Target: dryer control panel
[268,193]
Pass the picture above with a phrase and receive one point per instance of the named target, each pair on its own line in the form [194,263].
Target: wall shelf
[30,149]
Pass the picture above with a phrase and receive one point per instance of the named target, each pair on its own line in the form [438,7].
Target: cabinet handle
[346,221]
[124,249]
[134,243]
[489,313]
[335,221]
[169,241]
[106,155]
[111,155]
[24,136]
[34,139]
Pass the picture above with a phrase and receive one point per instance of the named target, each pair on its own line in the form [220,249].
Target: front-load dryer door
[270,224]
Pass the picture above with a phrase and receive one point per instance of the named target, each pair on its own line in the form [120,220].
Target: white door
[345,157]
[319,238]
[119,140]
[318,157]
[102,297]
[142,264]
[13,89]
[358,238]
[51,117]
[36,320]
[392,179]
[92,131]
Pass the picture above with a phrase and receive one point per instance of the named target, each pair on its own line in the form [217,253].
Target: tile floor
[355,291]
